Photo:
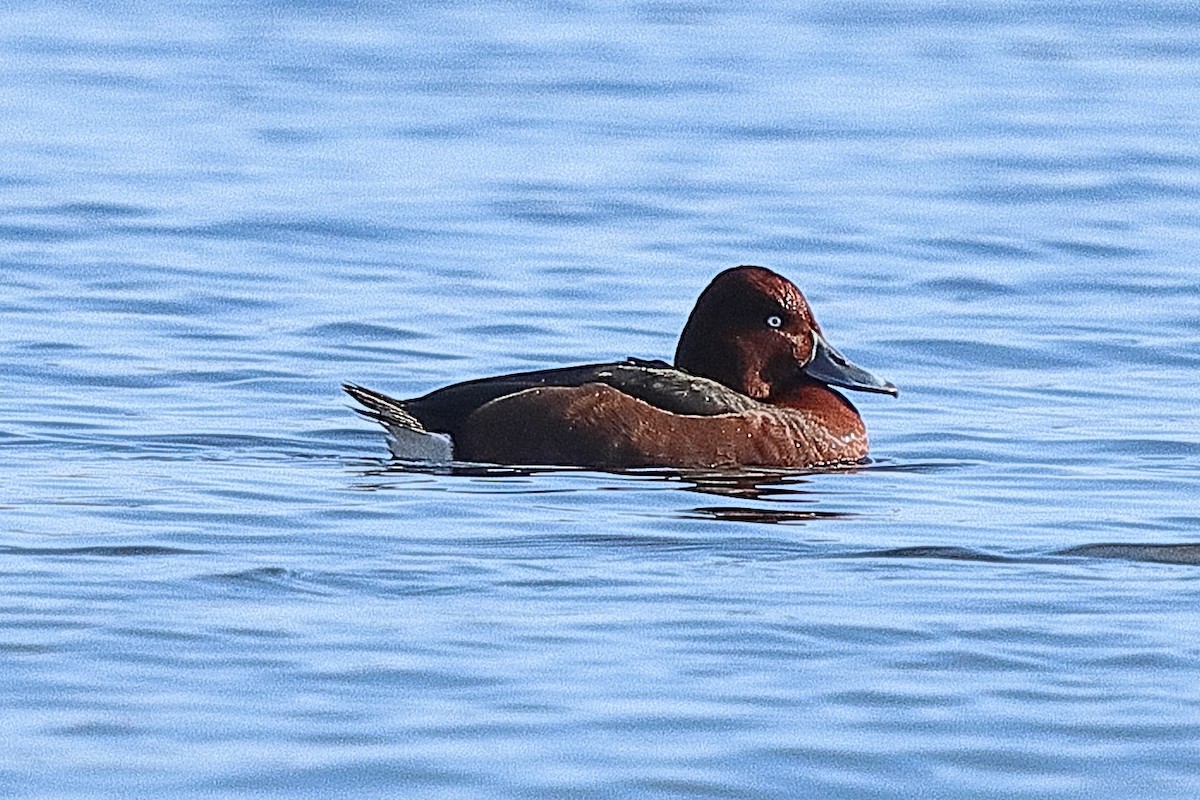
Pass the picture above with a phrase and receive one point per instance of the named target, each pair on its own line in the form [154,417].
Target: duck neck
[714,360]
[837,413]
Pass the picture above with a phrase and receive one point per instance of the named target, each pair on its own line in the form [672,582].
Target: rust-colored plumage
[750,387]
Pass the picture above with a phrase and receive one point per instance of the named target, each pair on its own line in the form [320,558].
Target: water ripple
[115,551]
[1187,554]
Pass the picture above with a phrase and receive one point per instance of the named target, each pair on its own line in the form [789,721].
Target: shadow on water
[762,516]
[757,485]
[760,483]
[749,484]
[790,487]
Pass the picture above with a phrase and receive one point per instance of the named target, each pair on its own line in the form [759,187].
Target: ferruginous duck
[752,385]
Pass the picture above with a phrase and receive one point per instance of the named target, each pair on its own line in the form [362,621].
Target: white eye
[774,321]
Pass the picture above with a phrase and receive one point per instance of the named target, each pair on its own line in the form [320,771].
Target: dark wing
[674,390]
[654,382]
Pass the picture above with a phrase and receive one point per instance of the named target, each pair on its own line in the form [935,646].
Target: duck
[754,383]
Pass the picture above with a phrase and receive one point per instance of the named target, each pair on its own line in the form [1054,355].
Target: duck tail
[385,410]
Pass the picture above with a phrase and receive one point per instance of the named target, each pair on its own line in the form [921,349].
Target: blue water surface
[216,584]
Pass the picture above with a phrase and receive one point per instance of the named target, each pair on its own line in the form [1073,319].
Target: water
[216,585]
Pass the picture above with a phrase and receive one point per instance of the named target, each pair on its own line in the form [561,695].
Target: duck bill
[829,366]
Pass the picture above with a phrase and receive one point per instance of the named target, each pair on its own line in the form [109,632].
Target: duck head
[753,331]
